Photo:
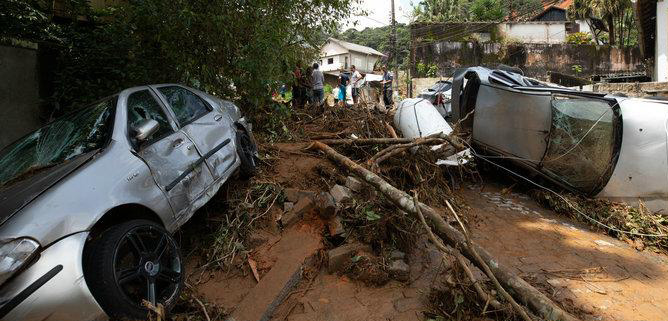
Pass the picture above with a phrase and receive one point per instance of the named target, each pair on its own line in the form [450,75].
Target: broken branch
[526,293]
[486,269]
[484,296]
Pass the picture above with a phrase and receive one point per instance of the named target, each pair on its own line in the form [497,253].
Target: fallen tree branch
[398,148]
[374,141]
[484,296]
[486,269]
[523,291]
[390,130]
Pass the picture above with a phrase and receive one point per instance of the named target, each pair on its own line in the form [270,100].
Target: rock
[354,184]
[303,206]
[400,270]
[397,255]
[335,227]
[340,193]
[340,255]
[288,206]
[294,194]
[326,205]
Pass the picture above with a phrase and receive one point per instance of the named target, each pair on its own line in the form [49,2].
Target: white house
[338,54]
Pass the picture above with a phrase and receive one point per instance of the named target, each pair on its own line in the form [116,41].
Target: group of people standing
[308,86]
[355,80]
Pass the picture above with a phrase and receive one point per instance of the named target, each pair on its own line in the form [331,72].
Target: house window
[330,61]
[346,64]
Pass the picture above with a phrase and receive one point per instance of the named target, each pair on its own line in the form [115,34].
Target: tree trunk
[611,29]
[522,290]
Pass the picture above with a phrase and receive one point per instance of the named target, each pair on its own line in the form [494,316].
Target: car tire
[246,149]
[123,261]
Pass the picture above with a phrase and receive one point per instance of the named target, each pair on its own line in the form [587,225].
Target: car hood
[17,195]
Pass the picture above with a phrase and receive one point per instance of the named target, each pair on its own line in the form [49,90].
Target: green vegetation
[475,10]
[618,15]
[578,38]
[233,48]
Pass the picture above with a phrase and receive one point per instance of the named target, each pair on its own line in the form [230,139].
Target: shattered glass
[66,138]
[581,142]
[142,106]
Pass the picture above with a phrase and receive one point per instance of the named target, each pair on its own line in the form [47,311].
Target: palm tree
[615,13]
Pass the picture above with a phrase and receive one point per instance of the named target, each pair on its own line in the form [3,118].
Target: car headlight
[13,254]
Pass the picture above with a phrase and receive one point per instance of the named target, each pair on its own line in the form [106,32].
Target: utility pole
[393,45]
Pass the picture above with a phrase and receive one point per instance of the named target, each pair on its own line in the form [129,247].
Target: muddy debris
[339,257]
[335,227]
[354,184]
[367,268]
[341,194]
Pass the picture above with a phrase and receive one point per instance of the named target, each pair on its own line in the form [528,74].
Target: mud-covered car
[592,143]
[89,202]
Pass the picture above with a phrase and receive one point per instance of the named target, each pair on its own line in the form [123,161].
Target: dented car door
[172,157]
[211,131]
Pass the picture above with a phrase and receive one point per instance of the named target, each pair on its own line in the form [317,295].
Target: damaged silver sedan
[592,143]
[89,202]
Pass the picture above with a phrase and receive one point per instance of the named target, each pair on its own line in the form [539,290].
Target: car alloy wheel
[147,265]
[132,263]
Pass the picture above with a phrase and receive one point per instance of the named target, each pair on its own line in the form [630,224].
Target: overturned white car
[597,144]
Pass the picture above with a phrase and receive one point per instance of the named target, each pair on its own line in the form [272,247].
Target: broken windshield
[75,134]
[581,142]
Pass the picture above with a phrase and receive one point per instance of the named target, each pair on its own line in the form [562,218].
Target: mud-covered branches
[523,291]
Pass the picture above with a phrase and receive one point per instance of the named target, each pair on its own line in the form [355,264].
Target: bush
[235,49]
[578,38]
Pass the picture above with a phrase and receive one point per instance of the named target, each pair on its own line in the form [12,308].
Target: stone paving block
[340,193]
[295,194]
[339,255]
[354,184]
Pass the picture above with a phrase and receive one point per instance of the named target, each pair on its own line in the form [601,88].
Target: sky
[378,13]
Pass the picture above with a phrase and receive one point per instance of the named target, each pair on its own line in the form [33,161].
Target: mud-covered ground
[592,275]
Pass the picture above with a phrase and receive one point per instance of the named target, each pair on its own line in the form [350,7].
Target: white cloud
[378,13]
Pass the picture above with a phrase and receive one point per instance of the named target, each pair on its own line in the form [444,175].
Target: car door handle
[218,117]
[178,142]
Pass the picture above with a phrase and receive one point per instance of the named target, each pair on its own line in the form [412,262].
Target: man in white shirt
[318,89]
[355,80]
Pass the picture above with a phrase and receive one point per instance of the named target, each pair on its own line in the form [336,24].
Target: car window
[581,142]
[186,105]
[72,135]
[142,106]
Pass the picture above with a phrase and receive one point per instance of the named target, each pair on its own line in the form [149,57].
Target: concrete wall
[537,60]
[19,93]
[661,63]
[420,84]
[643,89]
[535,32]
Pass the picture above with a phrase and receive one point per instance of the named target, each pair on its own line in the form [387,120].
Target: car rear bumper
[53,287]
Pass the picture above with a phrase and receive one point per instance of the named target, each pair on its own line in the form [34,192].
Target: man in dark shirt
[387,87]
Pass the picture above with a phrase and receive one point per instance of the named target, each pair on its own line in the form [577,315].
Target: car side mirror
[144,129]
